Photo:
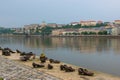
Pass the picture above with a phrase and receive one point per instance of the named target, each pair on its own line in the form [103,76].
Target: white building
[116,31]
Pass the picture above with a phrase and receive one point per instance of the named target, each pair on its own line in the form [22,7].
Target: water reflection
[84,45]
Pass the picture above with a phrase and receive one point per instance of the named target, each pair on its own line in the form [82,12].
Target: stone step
[11,70]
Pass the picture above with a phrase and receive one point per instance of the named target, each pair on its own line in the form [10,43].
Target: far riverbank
[94,36]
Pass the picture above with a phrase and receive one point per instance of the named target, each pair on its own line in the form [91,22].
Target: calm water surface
[101,54]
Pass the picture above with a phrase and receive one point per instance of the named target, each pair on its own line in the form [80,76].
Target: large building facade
[88,23]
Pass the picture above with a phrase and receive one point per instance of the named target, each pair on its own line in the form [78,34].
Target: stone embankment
[11,70]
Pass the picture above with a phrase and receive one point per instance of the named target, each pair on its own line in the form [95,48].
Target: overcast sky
[16,13]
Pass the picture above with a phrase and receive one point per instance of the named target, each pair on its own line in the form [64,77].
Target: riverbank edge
[95,36]
[64,76]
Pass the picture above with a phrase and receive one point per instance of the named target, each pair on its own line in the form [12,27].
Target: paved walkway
[11,70]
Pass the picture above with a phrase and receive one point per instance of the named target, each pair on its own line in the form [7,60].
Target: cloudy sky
[16,13]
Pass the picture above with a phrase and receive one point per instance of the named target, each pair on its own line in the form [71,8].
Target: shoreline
[62,36]
[61,74]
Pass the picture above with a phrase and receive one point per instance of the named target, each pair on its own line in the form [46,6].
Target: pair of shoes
[85,72]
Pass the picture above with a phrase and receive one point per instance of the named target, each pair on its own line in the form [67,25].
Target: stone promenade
[11,70]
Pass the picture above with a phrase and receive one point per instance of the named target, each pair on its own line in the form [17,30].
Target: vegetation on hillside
[46,31]
[79,26]
[6,31]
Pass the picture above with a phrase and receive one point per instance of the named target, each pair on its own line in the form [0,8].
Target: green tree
[77,26]
[70,33]
[74,33]
[6,31]
[85,33]
[32,31]
[46,31]
[105,32]
[37,31]
[102,33]
[66,33]
[92,33]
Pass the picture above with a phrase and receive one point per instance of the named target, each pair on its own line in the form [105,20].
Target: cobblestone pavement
[11,70]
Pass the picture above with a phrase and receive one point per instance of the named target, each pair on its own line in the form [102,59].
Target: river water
[101,54]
